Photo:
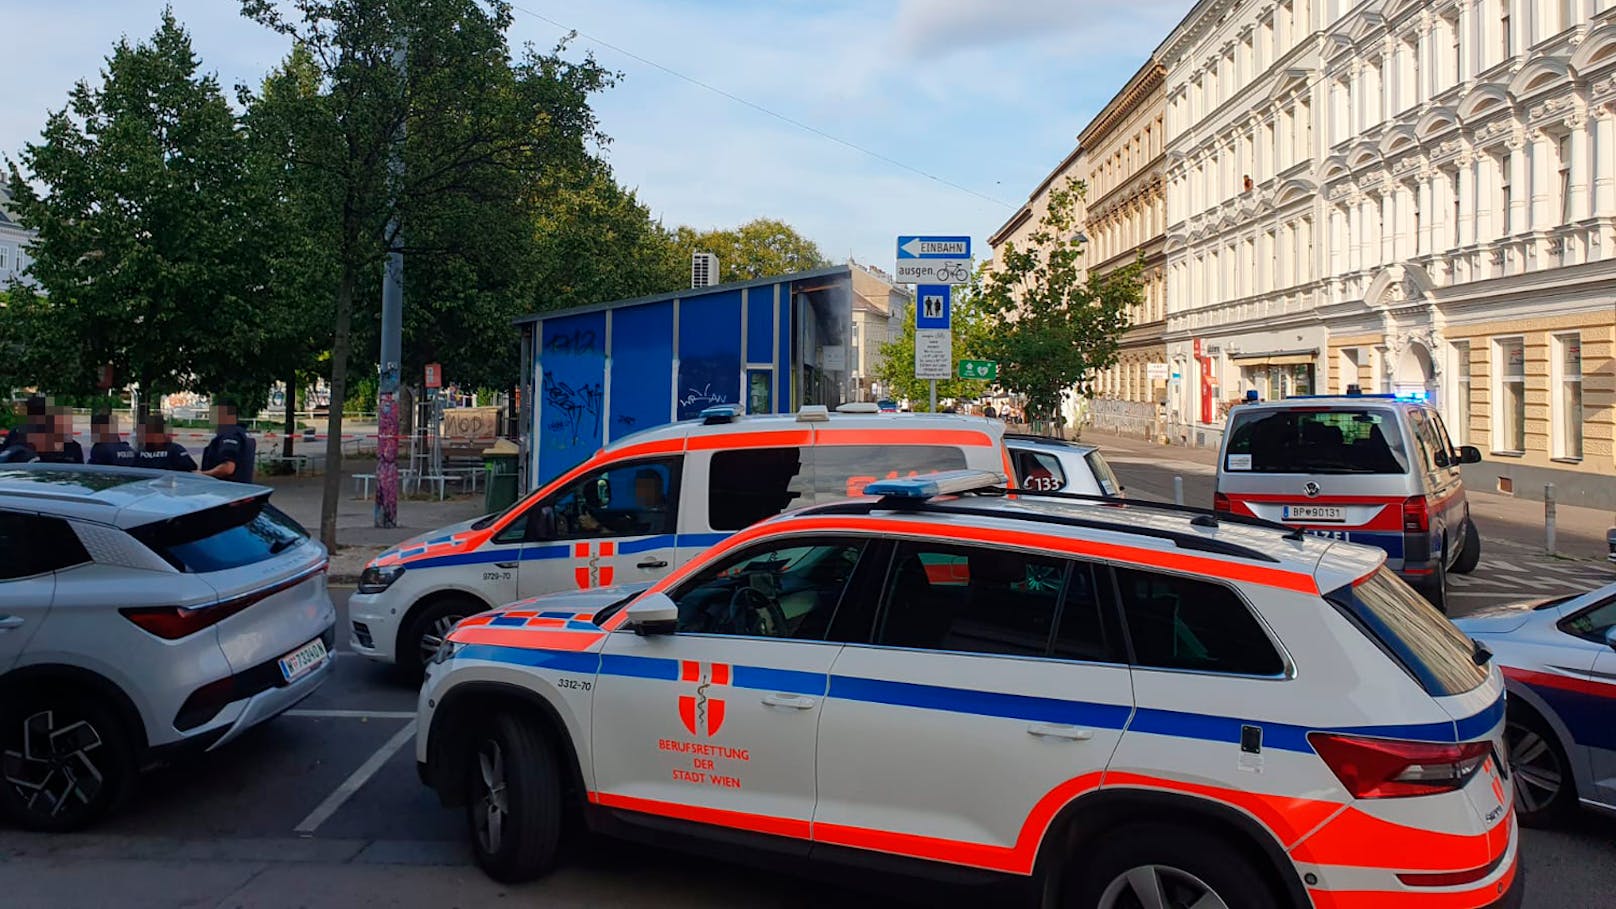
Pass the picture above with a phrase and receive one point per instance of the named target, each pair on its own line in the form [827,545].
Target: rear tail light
[1416,515]
[1220,502]
[174,622]
[1387,769]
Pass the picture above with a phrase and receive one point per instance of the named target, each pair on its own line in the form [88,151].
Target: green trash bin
[500,491]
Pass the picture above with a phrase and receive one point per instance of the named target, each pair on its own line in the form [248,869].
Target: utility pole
[386,510]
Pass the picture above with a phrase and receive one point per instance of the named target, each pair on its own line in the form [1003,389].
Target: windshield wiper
[611,609]
[282,544]
[1479,655]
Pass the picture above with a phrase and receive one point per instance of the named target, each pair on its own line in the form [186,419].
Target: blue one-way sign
[932,309]
[934,247]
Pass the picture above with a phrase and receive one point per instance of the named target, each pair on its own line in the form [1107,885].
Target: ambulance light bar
[949,482]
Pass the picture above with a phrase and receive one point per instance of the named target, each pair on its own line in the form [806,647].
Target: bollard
[1178,490]
[1548,516]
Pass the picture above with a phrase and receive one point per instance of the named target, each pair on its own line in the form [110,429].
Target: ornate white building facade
[1414,196]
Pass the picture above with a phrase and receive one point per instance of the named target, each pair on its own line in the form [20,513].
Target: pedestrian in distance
[159,451]
[230,455]
[64,448]
[108,447]
[20,446]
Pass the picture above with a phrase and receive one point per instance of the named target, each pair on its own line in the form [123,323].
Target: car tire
[1184,864]
[1470,555]
[65,761]
[1436,589]
[1545,788]
[513,800]
[426,630]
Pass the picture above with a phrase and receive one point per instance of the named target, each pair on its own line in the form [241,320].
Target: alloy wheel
[1159,887]
[55,768]
[1538,774]
[432,638]
[492,805]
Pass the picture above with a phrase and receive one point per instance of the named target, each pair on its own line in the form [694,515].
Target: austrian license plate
[1315,513]
[303,660]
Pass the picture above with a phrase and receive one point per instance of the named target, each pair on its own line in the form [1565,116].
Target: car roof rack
[1045,440]
[1202,517]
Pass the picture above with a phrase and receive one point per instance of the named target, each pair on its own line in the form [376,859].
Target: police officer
[109,447]
[64,449]
[230,455]
[19,446]
[159,451]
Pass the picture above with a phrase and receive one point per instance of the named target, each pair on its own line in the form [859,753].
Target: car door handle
[794,701]
[653,563]
[8,622]
[1060,731]
[506,565]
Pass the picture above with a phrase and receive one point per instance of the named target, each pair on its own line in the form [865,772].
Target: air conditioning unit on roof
[703,269]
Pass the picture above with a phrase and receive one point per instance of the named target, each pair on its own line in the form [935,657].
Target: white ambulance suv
[644,505]
[1093,703]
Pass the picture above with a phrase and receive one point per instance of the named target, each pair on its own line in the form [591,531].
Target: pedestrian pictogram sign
[933,307]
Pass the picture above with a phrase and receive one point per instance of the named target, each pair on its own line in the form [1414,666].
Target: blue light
[929,486]
[722,410]
[1421,396]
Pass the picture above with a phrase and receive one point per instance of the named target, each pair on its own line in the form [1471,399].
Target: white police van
[644,505]
[1098,703]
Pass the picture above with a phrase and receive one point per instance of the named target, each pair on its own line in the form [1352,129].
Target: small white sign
[933,271]
[1240,462]
[934,353]
[833,358]
[1157,372]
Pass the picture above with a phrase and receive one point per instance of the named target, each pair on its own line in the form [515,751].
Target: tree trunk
[332,488]
[291,414]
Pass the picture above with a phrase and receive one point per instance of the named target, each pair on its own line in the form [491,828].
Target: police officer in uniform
[159,451]
[109,448]
[230,455]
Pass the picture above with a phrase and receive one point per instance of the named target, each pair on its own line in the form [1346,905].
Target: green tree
[1053,324]
[478,131]
[756,249]
[140,250]
[896,368]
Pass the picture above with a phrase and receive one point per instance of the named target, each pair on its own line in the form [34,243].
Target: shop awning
[1281,358]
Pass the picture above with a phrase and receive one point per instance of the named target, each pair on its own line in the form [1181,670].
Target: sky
[958,108]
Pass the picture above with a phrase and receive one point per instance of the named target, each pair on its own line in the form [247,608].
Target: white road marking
[355,714]
[323,811]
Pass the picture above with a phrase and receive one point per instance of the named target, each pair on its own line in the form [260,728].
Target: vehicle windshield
[1429,647]
[1316,440]
[224,537]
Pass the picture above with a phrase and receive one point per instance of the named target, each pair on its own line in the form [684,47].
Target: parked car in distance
[1373,469]
[1048,464]
[143,613]
[1559,661]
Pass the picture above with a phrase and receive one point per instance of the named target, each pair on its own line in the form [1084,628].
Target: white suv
[1103,705]
[142,612]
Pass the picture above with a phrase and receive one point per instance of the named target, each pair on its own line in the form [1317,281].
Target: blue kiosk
[594,374]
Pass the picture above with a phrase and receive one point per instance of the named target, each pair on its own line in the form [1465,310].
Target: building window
[1461,356]
[1565,179]
[5,257]
[1453,193]
[1568,396]
[1506,165]
[1509,432]
[1458,68]
[1506,41]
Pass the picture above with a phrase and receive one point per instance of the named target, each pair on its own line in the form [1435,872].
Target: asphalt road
[322,808]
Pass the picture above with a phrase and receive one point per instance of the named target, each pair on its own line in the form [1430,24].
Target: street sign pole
[933,383]
[385,511]
[935,264]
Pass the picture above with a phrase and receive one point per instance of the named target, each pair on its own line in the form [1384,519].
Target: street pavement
[322,806]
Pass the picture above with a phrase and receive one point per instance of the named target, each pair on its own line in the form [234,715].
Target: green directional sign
[978,369]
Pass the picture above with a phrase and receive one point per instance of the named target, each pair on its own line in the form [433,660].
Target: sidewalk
[1580,532]
[358,539]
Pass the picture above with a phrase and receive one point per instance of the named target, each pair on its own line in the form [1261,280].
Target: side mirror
[653,614]
[1610,637]
[1469,454]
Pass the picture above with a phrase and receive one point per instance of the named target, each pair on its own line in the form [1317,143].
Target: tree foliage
[896,367]
[1053,324]
[756,249]
[478,131]
[141,250]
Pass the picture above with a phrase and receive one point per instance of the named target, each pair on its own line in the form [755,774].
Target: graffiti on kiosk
[706,397]
[566,408]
